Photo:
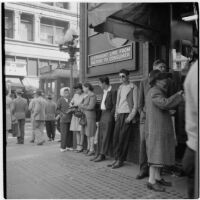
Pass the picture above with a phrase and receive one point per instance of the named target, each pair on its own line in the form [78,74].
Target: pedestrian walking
[190,160]
[63,105]
[39,117]
[144,88]
[20,108]
[88,107]
[31,108]
[9,107]
[75,125]
[107,120]
[125,113]
[50,113]
[159,131]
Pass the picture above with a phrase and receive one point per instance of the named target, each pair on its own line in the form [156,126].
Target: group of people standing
[119,110]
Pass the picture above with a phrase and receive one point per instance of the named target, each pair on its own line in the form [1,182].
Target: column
[37,28]
[17,15]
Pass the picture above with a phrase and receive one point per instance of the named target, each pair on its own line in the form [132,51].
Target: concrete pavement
[44,172]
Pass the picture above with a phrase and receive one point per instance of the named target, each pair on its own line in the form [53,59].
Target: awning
[136,21]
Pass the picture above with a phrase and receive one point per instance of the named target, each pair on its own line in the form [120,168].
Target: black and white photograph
[100,100]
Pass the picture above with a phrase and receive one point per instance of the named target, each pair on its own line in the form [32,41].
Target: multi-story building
[32,33]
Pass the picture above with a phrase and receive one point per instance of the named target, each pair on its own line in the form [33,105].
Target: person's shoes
[49,139]
[156,187]
[142,175]
[40,143]
[110,165]
[164,183]
[71,149]
[90,153]
[67,149]
[94,158]
[62,150]
[100,158]
[86,151]
[79,151]
[118,164]
[32,141]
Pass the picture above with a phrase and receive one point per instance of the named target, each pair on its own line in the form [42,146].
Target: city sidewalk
[44,172]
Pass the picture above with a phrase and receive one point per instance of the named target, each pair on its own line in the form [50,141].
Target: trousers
[66,136]
[50,128]
[121,137]
[143,151]
[106,126]
[21,124]
[39,131]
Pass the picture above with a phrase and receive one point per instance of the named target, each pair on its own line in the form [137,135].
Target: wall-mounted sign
[45,69]
[15,69]
[111,56]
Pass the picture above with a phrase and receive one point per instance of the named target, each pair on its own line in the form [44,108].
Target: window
[8,23]
[26,27]
[52,31]
[54,65]
[10,58]
[62,5]
[21,60]
[32,67]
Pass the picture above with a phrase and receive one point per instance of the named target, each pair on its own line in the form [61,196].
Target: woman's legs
[92,144]
[152,172]
[88,143]
[81,139]
[77,140]
[157,174]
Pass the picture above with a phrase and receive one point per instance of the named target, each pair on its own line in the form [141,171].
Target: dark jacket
[62,108]
[110,101]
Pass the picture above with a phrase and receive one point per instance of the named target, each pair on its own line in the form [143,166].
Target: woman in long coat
[88,107]
[159,132]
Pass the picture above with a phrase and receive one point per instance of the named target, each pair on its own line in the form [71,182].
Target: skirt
[90,128]
[75,126]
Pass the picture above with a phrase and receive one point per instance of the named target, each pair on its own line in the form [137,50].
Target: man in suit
[144,88]
[125,113]
[20,107]
[107,120]
[39,117]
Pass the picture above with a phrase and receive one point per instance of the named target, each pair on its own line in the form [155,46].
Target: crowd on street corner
[107,128]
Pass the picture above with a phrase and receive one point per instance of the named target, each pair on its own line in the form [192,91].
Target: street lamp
[69,44]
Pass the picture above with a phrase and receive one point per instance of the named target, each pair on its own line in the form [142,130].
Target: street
[39,172]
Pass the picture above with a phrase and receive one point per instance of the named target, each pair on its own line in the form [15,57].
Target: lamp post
[69,45]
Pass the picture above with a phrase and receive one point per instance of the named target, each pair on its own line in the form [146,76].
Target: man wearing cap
[126,110]
[39,117]
[20,107]
[31,108]
[50,112]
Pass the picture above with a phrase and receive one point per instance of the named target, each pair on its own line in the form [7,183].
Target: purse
[83,120]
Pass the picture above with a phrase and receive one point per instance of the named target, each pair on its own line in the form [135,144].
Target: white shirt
[105,92]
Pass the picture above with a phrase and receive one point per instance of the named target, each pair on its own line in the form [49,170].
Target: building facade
[32,34]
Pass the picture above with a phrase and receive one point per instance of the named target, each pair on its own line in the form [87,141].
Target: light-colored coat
[159,132]
[39,109]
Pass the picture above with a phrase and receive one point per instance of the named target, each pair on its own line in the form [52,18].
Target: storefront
[133,36]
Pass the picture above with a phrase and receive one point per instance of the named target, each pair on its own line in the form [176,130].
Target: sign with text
[15,69]
[111,56]
[45,69]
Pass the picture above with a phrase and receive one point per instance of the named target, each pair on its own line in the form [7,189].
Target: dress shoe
[142,175]
[156,187]
[118,164]
[94,158]
[40,143]
[32,141]
[164,183]
[100,158]
[110,165]
[86,151]
[62,150]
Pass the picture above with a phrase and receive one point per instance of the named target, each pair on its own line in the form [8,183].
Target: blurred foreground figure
[191,118]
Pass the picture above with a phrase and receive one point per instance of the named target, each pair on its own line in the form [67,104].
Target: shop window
[8,24]
[52,31]
[21,60]
[64,65]
[32,67]
[26,27]
[10,58]
[62,5]
[54,65]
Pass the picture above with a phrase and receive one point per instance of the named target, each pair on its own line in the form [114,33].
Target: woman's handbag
[78,113]
[83,120]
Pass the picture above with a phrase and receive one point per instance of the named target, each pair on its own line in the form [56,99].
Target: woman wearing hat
[159,132]
[75,126]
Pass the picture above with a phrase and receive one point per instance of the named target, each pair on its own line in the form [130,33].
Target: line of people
[119,110]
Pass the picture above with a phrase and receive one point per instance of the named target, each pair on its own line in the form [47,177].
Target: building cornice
[45,8]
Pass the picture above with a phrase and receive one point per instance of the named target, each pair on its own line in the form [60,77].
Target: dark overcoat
[159,132]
